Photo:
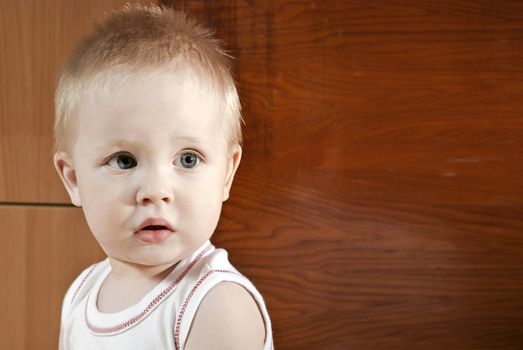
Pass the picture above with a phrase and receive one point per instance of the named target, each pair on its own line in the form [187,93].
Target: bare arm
[227,318]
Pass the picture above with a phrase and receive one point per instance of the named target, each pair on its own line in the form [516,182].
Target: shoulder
[81,286]
[227,318]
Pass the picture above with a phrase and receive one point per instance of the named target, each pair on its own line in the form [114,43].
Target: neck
[121,270]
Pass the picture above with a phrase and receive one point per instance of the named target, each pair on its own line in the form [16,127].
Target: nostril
[150,195]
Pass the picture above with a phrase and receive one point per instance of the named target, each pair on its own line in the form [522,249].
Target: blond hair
[139,40]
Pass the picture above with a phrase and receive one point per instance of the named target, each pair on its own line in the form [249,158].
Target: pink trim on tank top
[82,283]
[186,302]
[120,327]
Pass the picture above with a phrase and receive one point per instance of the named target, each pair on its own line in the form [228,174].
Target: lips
[155,224]
[154,230]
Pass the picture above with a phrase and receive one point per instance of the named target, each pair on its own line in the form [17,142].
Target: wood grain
[35,37]
[379,203]
[43,250]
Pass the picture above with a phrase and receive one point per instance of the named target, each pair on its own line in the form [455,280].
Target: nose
[156,188]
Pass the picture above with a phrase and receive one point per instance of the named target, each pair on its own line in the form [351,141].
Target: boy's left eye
[188,160]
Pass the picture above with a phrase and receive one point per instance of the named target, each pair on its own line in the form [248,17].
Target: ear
[67,173]
[235,156]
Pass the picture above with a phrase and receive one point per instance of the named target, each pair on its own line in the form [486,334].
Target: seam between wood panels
[35,204]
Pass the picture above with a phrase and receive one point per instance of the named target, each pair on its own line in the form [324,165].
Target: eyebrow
[186,139]
[116,144]
[125,143]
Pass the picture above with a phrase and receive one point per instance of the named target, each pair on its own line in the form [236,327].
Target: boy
[147,142]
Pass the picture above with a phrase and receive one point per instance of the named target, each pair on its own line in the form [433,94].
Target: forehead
[137,106]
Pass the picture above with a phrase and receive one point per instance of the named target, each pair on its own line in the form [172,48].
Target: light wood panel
[379,203]
[42,251]
[35,37]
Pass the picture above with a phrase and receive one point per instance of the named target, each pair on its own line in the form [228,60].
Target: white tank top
[162,319]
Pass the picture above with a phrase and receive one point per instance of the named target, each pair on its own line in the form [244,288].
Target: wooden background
[379,203]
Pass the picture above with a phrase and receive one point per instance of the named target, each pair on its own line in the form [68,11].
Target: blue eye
[123,161]
[189,160]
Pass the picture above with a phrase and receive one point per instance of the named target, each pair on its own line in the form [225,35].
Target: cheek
[201,199]
[101,212]
[97,191]
[202,203]
[205,218]
[100,217]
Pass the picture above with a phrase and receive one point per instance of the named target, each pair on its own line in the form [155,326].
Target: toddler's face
[151,166]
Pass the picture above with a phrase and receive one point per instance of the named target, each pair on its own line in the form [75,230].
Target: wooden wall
[379,203]
[45,242]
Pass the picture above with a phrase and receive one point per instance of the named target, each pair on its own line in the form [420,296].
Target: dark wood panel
[379,202]
[43,250]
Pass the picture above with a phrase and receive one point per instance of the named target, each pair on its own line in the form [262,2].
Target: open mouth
[154,233]
[154,230]
[155,227]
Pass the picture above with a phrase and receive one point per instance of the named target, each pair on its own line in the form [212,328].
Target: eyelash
[115,156]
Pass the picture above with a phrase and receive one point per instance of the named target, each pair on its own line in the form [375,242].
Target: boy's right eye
[122,161]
